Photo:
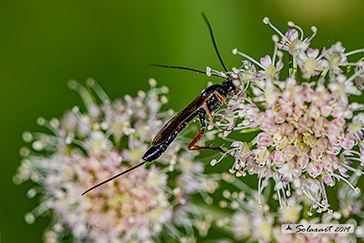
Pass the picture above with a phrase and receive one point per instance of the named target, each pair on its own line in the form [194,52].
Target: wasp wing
[172,125]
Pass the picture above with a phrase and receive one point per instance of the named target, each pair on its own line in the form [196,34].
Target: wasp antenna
[213,41]
[185,68]
[177,67]
[114,177]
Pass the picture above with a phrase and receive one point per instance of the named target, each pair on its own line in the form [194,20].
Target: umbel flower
[251,224]
[310,128]
[91,146]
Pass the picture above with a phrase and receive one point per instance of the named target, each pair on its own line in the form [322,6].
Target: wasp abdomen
[155,151]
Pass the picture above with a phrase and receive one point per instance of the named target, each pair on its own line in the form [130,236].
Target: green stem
[249,130]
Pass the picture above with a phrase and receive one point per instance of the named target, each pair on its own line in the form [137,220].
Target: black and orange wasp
[208,101]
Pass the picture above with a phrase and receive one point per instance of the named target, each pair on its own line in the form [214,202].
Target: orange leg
[192,145]
[208,113]
[198,136]
[220,97]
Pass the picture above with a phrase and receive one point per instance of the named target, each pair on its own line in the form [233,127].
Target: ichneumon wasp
[208,101]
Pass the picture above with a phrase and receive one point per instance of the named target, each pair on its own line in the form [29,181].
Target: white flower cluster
[89,147]
[310,131]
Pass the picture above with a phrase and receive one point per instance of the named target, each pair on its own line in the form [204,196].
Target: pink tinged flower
[312,53]
[313,112]
[303,161]
[359,80]
[252,112]
[248,66]
[310,140]
[230,127]
[335,56]
[347,143]
[320,126]
[336,126]
[266,61]
[279,140]
[326,110]
[289,151]
[330,163]
[239,221]
[266,122]
[287,129]
[322,143]
[321,95]
[286,105]
[302,149]
[341,111]
[264,140]
[308,63]
[291,35]
[262,227]
[304,124]
[295,137]
[278,157]
[307,92]
[323,64]
[141,114]
[280,117]
[269,69]
[300,110]
[328,180]
[69,121]
[290,90]
[340,88]
[314,169]
[309,123]
[313,185]
[263,157]
[361,149]
[334,139]
[289,171]
[343,171]
[292,43]
[97,143]
[315,153]
[297,120]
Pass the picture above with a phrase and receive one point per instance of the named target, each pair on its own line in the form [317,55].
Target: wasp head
[230,87]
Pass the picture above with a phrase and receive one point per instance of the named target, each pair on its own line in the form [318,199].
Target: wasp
[207,102]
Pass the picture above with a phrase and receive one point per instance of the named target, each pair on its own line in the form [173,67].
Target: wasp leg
[220,97]
[202,118]
[208,114]
[192,145]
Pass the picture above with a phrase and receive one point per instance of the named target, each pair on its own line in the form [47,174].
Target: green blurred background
[43,44]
